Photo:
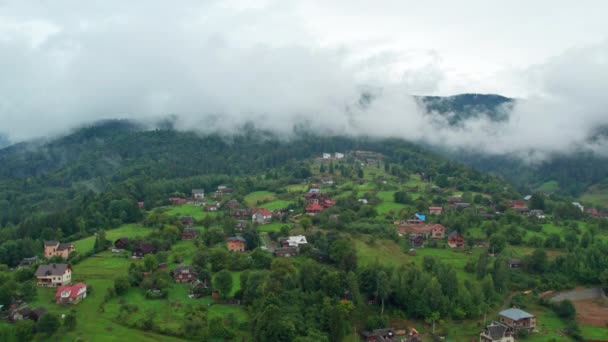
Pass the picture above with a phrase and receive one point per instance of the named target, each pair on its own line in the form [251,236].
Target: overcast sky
[278,63]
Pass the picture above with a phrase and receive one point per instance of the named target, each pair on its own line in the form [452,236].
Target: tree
[24,330]
[48,324]
[150,263]
[343,253]
[565,309]
[121,285]
[69,322]
[537,262]
[252,239]
[537,201]
[306,223]
[382,288]
[101,243]
[223,282]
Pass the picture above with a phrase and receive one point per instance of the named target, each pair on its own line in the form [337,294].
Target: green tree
[223,282]
[537,201]
[48,324]
[565,309]
[24,330]
[69,322]
[121,285]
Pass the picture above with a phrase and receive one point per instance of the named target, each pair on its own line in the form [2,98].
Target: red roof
[314,207]
[328,203]
[435,208]
[72,289]
[263,211]
[518,204]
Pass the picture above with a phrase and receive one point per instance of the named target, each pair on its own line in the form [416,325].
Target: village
[261,227]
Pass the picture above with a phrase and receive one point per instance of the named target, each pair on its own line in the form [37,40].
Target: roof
[236,238]
[314,207]
[435,208]
[263,211]
[515,314]
[198,191]
[182,268]
[421,217]
[72,290]
[286,250]
[496,330]
[51,243]
[453,234]
[52,269]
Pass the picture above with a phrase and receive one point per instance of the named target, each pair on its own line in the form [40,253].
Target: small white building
[296,241]
[339,155]
[326,155]
[579,206]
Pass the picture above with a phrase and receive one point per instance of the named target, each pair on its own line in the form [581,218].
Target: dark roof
[453,234]
[515,261]
[236,238]
[41,310]
[51,243]
[286,250]
[182,268]
[64,246]
[198,191]
[145,248]
[496,330]
[52,269]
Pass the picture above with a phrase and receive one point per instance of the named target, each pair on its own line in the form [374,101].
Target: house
[236,243]
[461,205]
[326,155]
[417,219]
[28,261]
[198,195]
[517,319]
[379,335]
[141,204]
[27,313]
[261,216]
[189,233]
[71,294]
[142,249]
[539,214]
[314,209]
[527,197]
[496,332]
[412,252]
[177,200]
[53,275]
[455,240]
[242,213]
[293,241]
[319,198]
[210,208]
[455,199]
[362,200]
[187,220]
[223,190]
[286,252]
[596,213]
[240,225]
[233,204]
[184,274]
[338,155]
[515,263]
[54,248]
[416,240]
[327,181]
[518,206]
[122,243]
[435,230]
[435,210]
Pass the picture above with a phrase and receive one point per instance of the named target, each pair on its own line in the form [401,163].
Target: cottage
[539,214]
[435,210]
[27,313]
[242,213]
[177,200]
[54,248]
[187,220]
[416,240]
[316,197]
[596,213]
[326,155]
[455,240]
[122,243]
[455,199]
[240,225]
[293,241]
[338,155]
[383,335]
[286,252]
[142,249]
[198,195]
[579,206]
[184,274]
[141,204]
[261,216]
[71,294]
[314,209]
[517,319]
[28,261]
[233,204]
[189,233]
[416,219]
[236,243]
[53,275]
[435,230]
[496,332]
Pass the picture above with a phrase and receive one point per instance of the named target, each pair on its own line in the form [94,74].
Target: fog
[276,64]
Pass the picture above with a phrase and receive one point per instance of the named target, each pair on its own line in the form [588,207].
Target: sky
[218,64]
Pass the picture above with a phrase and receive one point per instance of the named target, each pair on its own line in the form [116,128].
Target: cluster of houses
[328,156]
[316,201]
[418,231]
[510,321]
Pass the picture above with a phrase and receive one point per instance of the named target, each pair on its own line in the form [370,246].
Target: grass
[596,195]
[271,227]
[386,207]
[255,199]
[128,230]
[549,187]
[297,188]
[276,205]
[196,212]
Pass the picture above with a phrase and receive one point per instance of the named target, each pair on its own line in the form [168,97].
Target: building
[496,332]
[177,200]
[71,294]
[326,155]
[236,243]
[184,274]
[314,209]
[122,243]
[338,155]
[28,261]
[435,210]
[53,275]
[579,206]
[142,249]
[189,233]
[55,248]
[379,335]
[198,195]
[293,241]
[517,319]
[435,230]
[261,216]
[515,263]
[455,240]
[27,313]
[286,252]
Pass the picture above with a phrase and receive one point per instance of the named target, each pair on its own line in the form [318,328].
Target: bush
[565,309]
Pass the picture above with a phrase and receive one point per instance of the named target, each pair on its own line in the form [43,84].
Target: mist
[218,65]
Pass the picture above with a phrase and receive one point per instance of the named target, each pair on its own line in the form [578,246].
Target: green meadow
[128,230]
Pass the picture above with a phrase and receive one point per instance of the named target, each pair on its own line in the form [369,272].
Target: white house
[339,155]
[54,275]
[296,241]
[579,206]
[326,155]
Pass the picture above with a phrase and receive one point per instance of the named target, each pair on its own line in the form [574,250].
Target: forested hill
[467,106]
[76,178]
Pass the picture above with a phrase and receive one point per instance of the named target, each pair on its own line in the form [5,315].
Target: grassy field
[271,227]
[128,230]
[255,199]
[276,205]
[196,212]
[297,188]
[596,195]
[549,187]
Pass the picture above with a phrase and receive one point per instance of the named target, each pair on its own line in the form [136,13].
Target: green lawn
[276,205]
[196,212]
[128,230]
[271,227]
[297,188]
[255,199]
[596,195]
[549,187]
[386,207]
[386,196]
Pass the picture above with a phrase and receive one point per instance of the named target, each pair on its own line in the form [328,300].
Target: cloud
[216,65]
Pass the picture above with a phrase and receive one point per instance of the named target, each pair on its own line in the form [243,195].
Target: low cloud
[214,68]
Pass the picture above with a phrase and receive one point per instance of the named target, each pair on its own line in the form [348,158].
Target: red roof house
[314,208]
[71,294]
[455,240]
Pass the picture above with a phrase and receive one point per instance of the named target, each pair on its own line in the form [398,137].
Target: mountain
[462,107]
[4,141]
